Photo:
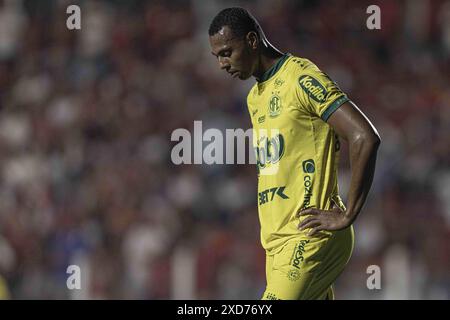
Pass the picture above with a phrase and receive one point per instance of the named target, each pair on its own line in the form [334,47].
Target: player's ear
[252,39]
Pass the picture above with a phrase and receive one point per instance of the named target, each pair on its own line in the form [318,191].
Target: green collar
[269,73]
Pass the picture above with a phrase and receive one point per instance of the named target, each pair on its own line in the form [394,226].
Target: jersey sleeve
[318,94]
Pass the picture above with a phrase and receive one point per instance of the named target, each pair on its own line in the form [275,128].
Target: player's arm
[363,139]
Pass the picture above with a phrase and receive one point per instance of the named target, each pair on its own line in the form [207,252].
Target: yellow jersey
[4,292]
[296,151]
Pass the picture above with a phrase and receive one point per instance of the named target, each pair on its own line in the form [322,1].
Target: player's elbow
[373,139]
[369,139]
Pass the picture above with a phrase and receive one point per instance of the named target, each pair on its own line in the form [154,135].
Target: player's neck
[267,59]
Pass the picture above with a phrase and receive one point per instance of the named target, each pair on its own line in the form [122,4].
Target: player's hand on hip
[317,220]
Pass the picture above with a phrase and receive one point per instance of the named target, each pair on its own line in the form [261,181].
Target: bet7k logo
[264,195]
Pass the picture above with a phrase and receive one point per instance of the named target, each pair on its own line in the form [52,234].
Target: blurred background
[86,118]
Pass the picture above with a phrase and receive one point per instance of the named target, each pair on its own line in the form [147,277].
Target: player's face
[235,55]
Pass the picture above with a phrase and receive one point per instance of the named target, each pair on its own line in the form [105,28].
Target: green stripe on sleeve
[333,107]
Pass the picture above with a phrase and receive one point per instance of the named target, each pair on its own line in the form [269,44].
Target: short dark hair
[239,20]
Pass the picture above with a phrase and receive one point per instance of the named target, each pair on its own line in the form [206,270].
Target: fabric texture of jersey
[296,150]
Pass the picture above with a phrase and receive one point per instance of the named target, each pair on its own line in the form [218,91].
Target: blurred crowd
[86,118]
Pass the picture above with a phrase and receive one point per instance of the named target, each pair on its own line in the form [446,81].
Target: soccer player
[299,116]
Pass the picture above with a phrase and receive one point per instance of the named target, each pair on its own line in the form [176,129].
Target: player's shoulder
[308,75]
[300,66]
[292,70]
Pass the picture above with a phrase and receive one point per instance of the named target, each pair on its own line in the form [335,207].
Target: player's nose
[224,65]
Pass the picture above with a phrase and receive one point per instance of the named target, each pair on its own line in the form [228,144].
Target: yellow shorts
[306,267]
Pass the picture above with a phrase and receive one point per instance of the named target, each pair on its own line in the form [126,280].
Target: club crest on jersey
[312,87]
[274,106]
